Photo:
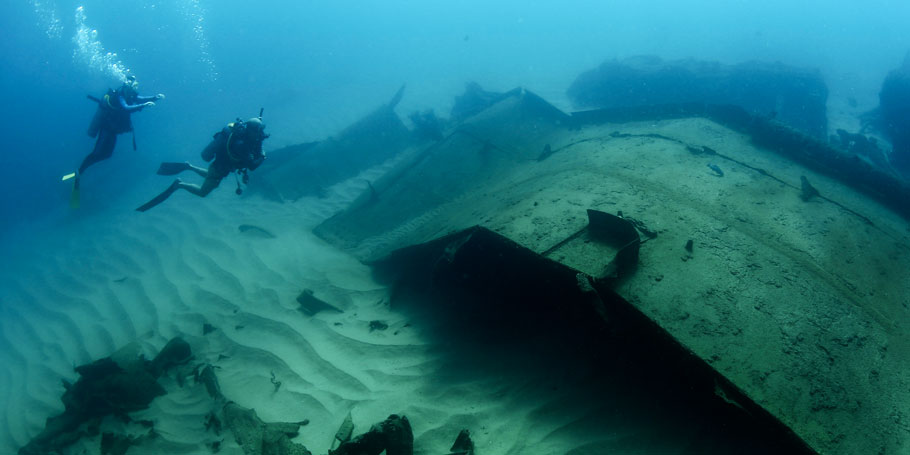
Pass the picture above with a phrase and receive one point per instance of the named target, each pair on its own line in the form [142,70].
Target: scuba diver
[111,118]
[235,149]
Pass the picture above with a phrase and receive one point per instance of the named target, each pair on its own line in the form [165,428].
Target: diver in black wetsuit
[113,118]
[236,148]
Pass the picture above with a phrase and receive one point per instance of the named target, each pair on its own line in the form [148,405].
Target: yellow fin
[68,176]
[74,196]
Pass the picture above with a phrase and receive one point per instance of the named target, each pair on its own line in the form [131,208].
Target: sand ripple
[72,294]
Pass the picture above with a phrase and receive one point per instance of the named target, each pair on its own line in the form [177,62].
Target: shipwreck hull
[491,290]
[797,303]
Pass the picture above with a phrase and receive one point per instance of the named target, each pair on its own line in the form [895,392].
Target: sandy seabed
[79,291]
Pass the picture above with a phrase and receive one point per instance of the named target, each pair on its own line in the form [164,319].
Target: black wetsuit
[237,147]
[232,150]
[112,118]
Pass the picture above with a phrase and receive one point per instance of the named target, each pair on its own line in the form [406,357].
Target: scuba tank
[209,153]
[95,126]
[242,173]
[100,113]
[110,115]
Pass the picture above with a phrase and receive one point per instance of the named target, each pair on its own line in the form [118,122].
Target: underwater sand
[107,277]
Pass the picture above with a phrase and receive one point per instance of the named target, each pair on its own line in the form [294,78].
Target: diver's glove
[159,96]
[148,104]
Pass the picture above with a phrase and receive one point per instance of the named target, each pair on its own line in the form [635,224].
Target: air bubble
[91,53]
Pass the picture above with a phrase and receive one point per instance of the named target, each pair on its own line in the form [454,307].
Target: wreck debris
[259,438]
[393,435]
[427,127]
[378,325]
[309,169]
[547,151]
[794,96]
[345,431]
[473,100]
[463,444]
[275,382]
[117,385]
[894,99]
[117,444]
[808,191]
[207,377]
[213,423]
[310,304]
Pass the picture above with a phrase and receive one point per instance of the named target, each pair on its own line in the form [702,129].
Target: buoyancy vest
[243,152]
[110,115]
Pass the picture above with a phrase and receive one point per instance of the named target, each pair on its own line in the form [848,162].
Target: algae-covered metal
[801,304]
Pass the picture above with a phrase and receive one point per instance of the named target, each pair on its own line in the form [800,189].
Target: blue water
[317,66]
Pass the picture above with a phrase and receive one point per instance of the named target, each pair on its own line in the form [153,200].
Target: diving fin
[161,197]
[74,196]
[68,176]
[172,168]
